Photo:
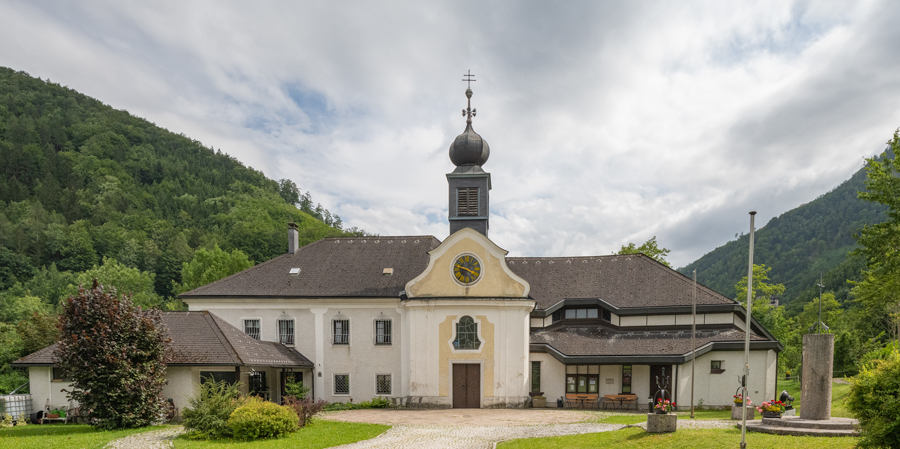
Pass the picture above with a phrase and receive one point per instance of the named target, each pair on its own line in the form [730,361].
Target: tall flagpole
[747,321]
[693,332]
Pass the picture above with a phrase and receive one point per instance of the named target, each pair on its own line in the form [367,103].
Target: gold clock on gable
[467,269]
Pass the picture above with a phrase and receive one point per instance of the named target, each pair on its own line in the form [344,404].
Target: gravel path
[157,439]
[449,437]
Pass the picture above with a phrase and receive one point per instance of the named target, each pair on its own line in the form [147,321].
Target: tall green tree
[649,248]
[879,291]
[210,266]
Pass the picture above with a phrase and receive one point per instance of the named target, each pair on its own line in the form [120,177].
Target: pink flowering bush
[664,405]
[738,398]
[771,407]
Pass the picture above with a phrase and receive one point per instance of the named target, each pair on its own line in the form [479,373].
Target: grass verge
[63,435]
[682,439]
[318,434]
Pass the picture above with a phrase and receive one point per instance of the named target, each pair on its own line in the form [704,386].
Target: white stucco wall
[717,390]
[553,377]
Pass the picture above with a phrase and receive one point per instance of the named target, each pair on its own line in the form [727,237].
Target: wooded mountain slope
[81,182]
[797,245]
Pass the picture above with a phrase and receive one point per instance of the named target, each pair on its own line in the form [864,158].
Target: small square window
[286,332]
[592,313]
[341,384]
[251,328]
[59,376]
[716,367]
[341,332]
[383,332]
[383,384]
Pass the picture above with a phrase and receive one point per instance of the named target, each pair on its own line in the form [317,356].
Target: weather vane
[469,112]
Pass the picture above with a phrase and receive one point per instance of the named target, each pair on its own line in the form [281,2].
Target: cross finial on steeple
[469,112]
[469,78]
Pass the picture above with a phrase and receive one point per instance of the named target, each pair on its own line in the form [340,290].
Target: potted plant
[663,406]
[771,409]
[537,399]
[737,411]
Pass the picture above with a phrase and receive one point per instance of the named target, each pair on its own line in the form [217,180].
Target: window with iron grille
[466,334]
[341,384]
[251,328]
[467,202]
[383,384]
[286,332]
[383,332]
[341,332]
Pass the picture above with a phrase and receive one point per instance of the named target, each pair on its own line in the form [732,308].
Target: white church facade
[459,323]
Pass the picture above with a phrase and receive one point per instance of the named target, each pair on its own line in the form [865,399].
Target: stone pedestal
[661,423]
[818,360]
[538,402]
[736,412]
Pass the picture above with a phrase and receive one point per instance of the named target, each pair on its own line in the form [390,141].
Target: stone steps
[789,425]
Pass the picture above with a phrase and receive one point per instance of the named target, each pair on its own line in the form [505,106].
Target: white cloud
[608,122]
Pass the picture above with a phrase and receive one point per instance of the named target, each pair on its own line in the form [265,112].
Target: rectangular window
[341,332]
[341,384]
[570,314]
[592,313]
[581,313]
[607,315]
[715,367]
[286,332]
[258,385]
[383,332]
[535,376]
[58,376]
[218,376]
[570,384]
[626,379]
[383,384]
[251,328]
[467,202]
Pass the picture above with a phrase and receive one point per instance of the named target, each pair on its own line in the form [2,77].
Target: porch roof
[204,339]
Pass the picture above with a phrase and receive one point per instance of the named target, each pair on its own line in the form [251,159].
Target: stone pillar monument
[818,361]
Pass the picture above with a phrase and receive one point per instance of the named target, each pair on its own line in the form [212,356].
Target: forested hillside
[798,245]
[90,191]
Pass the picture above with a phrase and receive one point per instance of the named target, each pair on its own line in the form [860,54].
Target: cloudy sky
[608,122]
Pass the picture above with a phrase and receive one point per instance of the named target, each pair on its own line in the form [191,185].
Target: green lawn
[319,434]
[839,393]
[62,436]
[711,438]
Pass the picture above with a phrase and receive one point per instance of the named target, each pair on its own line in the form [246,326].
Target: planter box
[736,412]
[538,402]
[657,423]
[771,415]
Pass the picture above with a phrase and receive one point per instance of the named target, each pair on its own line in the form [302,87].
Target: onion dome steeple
[469,184]
[469,148]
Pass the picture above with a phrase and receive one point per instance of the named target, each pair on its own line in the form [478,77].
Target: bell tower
[469,183]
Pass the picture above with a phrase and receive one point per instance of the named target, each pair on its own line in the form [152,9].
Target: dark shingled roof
[343,267]
[624,281]
[202,338]
[594,341]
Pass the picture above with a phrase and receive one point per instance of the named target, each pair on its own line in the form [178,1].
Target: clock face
[467,269]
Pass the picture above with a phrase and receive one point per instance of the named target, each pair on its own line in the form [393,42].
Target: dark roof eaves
[626,311]
[646,359]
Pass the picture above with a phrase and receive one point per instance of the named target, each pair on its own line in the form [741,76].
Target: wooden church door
[466,385]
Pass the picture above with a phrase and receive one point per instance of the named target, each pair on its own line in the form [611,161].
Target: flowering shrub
[664,405]
[739,397]
[771,407]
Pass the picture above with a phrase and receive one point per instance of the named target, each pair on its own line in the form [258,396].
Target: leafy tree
[38,331]
[831,313]
[649,248]
[211,265]
[879,290]
[875,400]
[763,291]
[116,354]
[137,284]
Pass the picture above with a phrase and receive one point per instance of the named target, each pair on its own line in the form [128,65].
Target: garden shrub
[209,410]
[262,419]
[378,402]
[7,420]
[875,400]
[305,408]
[295,389]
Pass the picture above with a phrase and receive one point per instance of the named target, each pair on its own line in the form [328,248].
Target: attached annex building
[458,323]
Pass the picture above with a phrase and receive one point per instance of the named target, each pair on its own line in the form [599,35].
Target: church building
[458,323]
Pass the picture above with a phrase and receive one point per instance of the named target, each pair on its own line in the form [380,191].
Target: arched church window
[466,334]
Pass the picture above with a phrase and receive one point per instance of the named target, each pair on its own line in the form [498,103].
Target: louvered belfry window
[467,202]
